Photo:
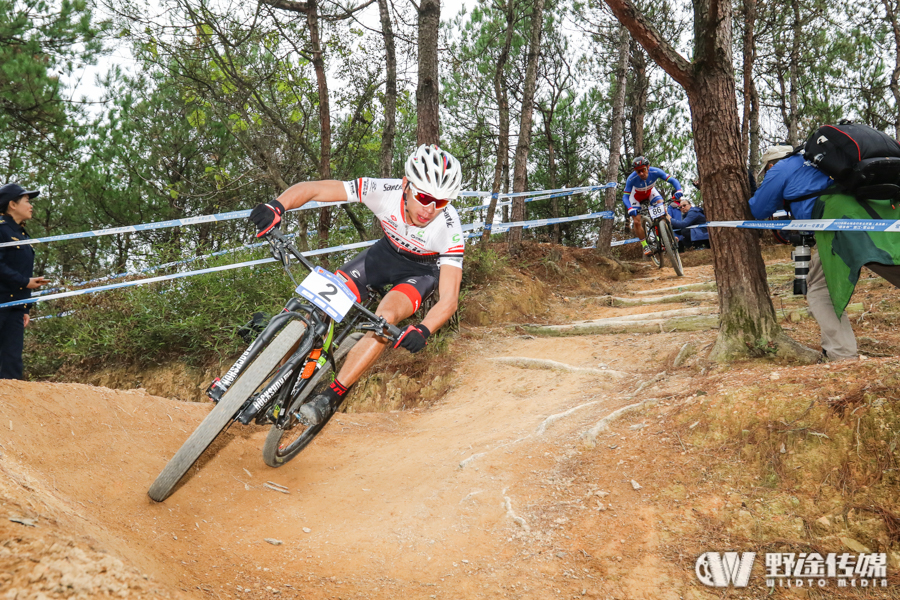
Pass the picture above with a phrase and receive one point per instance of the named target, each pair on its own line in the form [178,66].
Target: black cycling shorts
[381,265]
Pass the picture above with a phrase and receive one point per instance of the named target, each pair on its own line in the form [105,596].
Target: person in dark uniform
[16,281]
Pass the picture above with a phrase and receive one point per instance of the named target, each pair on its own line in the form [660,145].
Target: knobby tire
[274,454]
[225,410]
[656,257]
[671,244]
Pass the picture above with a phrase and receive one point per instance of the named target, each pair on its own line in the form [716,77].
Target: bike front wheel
[671,244]
[225,410]
[652,242]
[282,445]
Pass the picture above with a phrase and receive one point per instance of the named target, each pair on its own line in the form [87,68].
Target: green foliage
[39,42]
[481,265]
[192,319]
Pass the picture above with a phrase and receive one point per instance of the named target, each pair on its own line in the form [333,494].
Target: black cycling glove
[267,216]
[413,338]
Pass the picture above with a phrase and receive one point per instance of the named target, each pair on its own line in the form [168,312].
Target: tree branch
[299,7]
[678,67]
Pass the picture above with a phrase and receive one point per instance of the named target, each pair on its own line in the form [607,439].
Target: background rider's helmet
[434,171]
[640,162]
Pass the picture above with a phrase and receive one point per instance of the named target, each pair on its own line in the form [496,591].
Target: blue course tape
[238,214]
[155,267]
[811,225]
[623,242]
[229,216]
[547,194]
[476,228]
[468,227]
[250,246]
[125,284]
[502,227]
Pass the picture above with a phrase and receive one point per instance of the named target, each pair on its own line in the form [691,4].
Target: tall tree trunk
[796,30]
[501,169]
[551,167]
[754,129]
[312,21]
[891,12]
[604,238]
[520,165]
[390,92]
[749,53]
[747,323]
[640,91]
[428,129]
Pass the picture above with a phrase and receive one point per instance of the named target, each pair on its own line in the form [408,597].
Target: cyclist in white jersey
[421,251]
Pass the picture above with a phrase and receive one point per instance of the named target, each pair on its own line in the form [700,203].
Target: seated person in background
[691,215]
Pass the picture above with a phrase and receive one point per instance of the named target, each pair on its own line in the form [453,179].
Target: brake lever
[391,333]
[276,247]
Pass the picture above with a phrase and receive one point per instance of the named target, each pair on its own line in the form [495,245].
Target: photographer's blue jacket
[16,263]
[789,179]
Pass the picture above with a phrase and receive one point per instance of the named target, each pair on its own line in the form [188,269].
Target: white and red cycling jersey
[439,242]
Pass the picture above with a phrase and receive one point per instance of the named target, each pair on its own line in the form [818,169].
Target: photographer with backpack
[846,171]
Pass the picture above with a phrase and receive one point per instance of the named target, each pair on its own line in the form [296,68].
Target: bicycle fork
[220,385]
[266,394]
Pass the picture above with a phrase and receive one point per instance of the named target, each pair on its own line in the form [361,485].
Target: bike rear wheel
[282,445]
[225,410]
[671,244]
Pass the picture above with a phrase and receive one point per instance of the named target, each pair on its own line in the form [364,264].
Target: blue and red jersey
[639,190]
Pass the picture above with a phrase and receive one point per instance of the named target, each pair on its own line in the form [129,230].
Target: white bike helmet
[434,171]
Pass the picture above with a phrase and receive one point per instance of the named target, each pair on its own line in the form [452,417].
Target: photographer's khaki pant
[838,340]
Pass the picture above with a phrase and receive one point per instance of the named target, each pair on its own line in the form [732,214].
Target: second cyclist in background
[639,187]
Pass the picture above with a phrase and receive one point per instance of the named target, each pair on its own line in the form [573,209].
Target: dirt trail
[492,493]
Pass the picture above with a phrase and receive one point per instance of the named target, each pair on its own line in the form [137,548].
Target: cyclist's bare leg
[637,227]
[394,307]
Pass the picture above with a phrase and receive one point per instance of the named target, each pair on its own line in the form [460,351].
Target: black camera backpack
[863,161]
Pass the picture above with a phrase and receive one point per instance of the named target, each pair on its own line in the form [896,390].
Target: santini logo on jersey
[391,188]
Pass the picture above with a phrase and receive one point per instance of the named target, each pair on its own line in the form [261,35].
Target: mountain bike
[294,358]
[660,237]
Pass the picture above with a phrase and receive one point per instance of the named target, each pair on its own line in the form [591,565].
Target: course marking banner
[811,225]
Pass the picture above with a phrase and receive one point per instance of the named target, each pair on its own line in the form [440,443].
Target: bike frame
[285,383]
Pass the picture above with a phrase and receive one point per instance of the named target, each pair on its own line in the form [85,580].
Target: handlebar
[378,324]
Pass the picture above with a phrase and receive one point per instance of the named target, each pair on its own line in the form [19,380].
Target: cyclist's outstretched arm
[313,191]
[448,288]
[675,184]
